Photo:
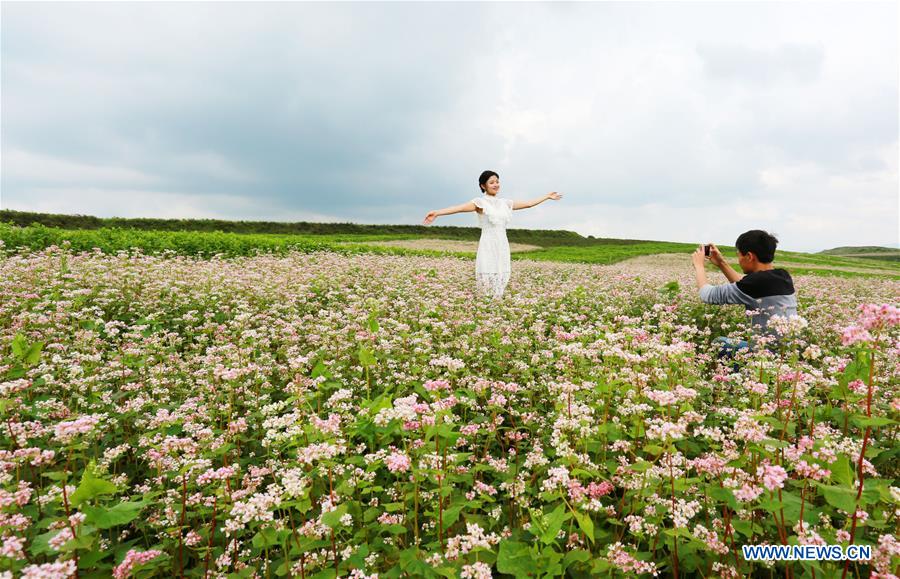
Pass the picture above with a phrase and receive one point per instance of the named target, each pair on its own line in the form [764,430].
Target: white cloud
[678,120]
[158,204]
[786,62]
[36,168]
[214,165]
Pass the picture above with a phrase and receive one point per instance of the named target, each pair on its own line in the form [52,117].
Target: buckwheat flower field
[323,415]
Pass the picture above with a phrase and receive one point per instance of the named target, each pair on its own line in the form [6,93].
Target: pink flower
[239,425]
[67,431]
[134,558]
[576,491]
[773,476]
[436,385]
[813,471]
[223,473]
[330,426]
[12,547]
[469,429]
[60,539]
[599,490]
[477,570]
[484,488]
[888,548]
[857,387]
[757,388]
[58,570]
[192,538]
[619,557]
[854,335]
[398,462]
[747,493]
[879,316]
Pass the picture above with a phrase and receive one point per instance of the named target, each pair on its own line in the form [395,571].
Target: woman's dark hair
[484,179]
[761,243]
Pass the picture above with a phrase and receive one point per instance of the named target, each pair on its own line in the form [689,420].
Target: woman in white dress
[492,263]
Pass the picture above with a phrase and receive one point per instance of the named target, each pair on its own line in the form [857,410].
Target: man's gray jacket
[766,293]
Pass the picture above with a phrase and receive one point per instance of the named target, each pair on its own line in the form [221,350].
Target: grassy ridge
[37,237]
[854,250]
[541,237]
[866,252]
[606,253]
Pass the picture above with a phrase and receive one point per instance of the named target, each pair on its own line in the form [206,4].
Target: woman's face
[492,186]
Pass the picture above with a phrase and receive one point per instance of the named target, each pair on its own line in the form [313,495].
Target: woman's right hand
[430,217]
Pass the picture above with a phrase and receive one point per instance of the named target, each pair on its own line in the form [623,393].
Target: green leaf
[40,545]
[15,373]
[366,357]
[19,346]
[120,514]
[55,475]
[451,515]
[876,421]
[409,562]
[586,524]
[91,487]
[554,523]
[89,560]
[724,495]
[265,538]
[319,370]
[743,527]
[842,472]
[550,563]
[641,466]
[34,353]
[82,541]
[515,558]
[840,497]
[333,518]
[578,556]
[396,529]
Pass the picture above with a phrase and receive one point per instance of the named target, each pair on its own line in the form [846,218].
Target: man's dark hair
[761,243]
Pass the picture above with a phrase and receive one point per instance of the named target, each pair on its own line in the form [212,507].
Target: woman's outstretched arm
[464,208]
[528,204]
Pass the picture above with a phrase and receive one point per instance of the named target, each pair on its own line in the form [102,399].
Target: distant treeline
[539,237]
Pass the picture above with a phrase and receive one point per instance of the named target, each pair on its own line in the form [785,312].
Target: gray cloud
[378,112]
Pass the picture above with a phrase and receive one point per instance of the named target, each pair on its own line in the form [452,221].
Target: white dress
[492,263]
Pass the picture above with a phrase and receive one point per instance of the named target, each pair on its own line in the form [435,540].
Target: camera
[706,249]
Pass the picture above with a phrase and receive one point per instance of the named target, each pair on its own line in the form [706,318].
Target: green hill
[866,252]
[541,237]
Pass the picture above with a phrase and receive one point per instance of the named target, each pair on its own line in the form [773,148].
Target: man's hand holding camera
[715,256]
[699,257]
[711,252]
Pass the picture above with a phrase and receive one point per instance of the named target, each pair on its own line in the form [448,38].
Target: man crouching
[762,288]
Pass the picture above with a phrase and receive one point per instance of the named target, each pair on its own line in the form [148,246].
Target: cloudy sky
[670,121]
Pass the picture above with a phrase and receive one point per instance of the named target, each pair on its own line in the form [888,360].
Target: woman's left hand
[554,195]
